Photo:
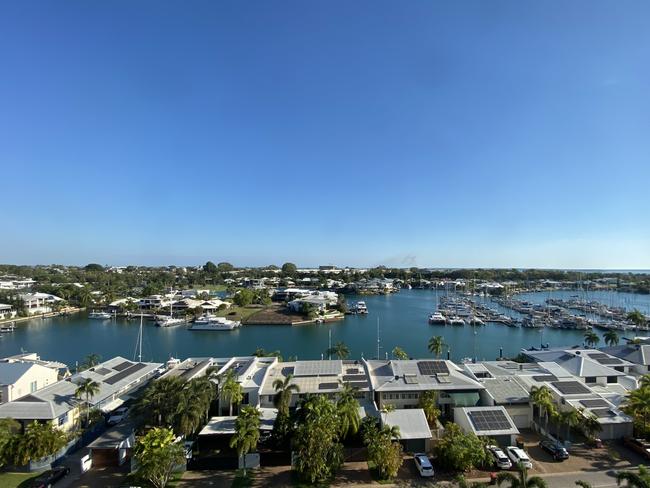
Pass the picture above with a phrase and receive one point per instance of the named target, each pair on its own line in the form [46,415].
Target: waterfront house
[636,354]
[38,303]
[320,300]
[15,283]
[7,311]
[153,302]
[56,403]
[18,378]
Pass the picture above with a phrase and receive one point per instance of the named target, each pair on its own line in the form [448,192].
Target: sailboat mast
[140,341]
[378,339]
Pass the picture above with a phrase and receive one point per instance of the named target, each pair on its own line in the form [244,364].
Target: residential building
[39,303]
[7,311]
[18,379]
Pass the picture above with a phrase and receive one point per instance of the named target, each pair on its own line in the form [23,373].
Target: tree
[243,297]
[638,405]
[543,398]
[340,350]
[611,337]
[231,391]
[589,425]
[347,407]
[521,481]
[289,269]
[583,484]
[383,451]
[429,404]
[319,454]
[38,441]
[87,389]
[157,455]
[436,345]
[399,353]
[247,432]
[159,402]
[260,352]
[225,267]
[570,419]
[85,297]
[284,389]
[341,303]
[193,405]
[210,267]
[463,483]
[8,427]
[634,480]
[636,317]
[91,361]
[460,451]
[93,268]
[591,338]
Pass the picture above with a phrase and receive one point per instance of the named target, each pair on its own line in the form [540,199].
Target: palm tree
[521,481]
[636,317]
[436,345]
[87,388]
[589,424]
[570,419]
[399,353]
[91,360]
[611,337]
[85,297]
[231,391]
[638,404]
[543,398]
[347,407]
[583,484]
[340,350]
[160,400]
[429,404]
[644,381]
[189,413]
[634,480]
[247,432]
[591,338]
[284,389]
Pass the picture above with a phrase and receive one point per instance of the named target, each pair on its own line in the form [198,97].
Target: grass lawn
[14,480]
[241,313]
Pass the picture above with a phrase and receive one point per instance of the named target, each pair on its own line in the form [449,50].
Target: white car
[117,416]
[423,464]
[500,458]
[519,456]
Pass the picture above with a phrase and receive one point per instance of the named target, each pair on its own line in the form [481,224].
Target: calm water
[402,321]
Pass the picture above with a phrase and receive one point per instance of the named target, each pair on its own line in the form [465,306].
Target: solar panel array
[545,377]
[484,420]
[123,366]
[359,384]
[328,386]
[410,379]
[594,403]
[102,371]
[603,412]
[428,368]
[598,355]
[570,387]
[354,377]
[124,373]
[318,368]
[443,379]
[607,361]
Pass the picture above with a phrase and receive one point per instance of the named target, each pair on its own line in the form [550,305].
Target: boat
[206,318]
[456,321]
[214,323]
[99,315]
[437,319]
[361,308]
[165,321]
[474,320]
[532,323]
[7,329]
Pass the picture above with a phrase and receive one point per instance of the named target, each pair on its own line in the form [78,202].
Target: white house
[18,379]
[37,303]
[7,311]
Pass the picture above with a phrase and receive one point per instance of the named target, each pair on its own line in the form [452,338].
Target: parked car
[519,456]
[640,446]
[558,452]
[51,477]
[423,464]
[500,458]
[118,415]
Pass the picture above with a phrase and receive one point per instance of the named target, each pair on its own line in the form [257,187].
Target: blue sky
[502,133]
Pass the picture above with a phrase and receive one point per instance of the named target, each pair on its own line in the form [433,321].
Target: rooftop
[412,423]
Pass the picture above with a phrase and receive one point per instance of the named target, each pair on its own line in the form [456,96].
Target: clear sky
[430,133]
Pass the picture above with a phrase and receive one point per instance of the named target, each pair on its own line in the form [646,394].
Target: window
[63,419]
[33,386]
[612,379]
[590,379]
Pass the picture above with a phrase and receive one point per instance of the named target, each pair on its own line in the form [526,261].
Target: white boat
[361,308]
[205,318]
[165,321]
[214,323]
[99,315]
[437,318]
[456,321]
[474,320]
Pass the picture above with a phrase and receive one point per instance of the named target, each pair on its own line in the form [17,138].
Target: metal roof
[412,423]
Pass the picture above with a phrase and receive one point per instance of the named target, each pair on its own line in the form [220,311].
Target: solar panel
[603,412]
[124,374]
[411,379]
[594,403]
[318,368]
[570,387]
[353,377]
[123,366]
[609,361]
[598,355]
[428,368]
[545,377]
[328,386]
[352,371]
[103,371]
[358,384]
[484,420]
[443,379]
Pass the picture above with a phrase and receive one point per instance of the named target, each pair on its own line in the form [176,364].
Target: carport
[413,427]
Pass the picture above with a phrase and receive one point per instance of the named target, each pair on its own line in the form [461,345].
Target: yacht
[214,323]
[474,320]
[206,318]
[166,321]
[361,308]
[456,321]
[437,319]
[99,315]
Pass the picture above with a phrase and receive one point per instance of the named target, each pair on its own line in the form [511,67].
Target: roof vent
[577,353]
[396,377]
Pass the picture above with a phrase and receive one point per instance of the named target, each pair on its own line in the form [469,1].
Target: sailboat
[165,321]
